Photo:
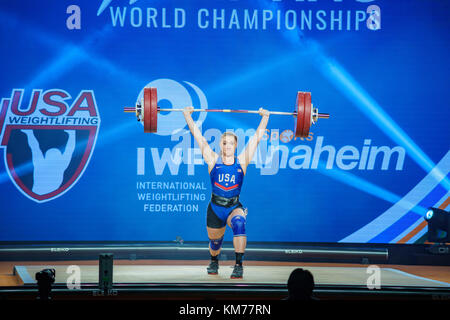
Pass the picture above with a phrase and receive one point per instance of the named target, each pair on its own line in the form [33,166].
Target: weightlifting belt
[224,202]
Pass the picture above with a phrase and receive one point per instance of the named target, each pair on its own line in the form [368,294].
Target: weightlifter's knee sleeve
[215,244]
[238,225]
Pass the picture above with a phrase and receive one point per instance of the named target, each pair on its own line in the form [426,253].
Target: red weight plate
[299,108]
[147,109]
[150,110]
[303,109]
[307,117]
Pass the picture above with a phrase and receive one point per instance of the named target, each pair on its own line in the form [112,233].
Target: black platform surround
[288,252]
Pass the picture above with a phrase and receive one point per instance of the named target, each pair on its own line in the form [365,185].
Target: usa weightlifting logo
[48,143]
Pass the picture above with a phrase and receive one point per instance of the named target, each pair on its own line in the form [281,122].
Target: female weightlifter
[227,174]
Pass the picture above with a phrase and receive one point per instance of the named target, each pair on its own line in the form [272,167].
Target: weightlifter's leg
[236,221]
[215,236]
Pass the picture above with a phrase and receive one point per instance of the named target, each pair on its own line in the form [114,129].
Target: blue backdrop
[77,168]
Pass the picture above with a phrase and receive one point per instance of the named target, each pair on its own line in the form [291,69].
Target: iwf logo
[173,94]
[48,143]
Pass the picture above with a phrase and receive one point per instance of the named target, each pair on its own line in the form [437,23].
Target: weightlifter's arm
[247,155]
[208,154]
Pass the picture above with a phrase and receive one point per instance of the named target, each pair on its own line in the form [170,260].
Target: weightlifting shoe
[213,267]
[238,272]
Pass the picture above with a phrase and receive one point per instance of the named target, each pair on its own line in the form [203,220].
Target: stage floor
[262,273]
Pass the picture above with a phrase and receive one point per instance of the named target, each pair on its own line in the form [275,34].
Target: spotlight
[45,279]
[438,225]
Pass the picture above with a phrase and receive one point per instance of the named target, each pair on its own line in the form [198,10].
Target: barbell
[147,112]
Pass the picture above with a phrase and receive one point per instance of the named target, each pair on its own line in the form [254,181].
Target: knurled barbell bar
[147,112]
